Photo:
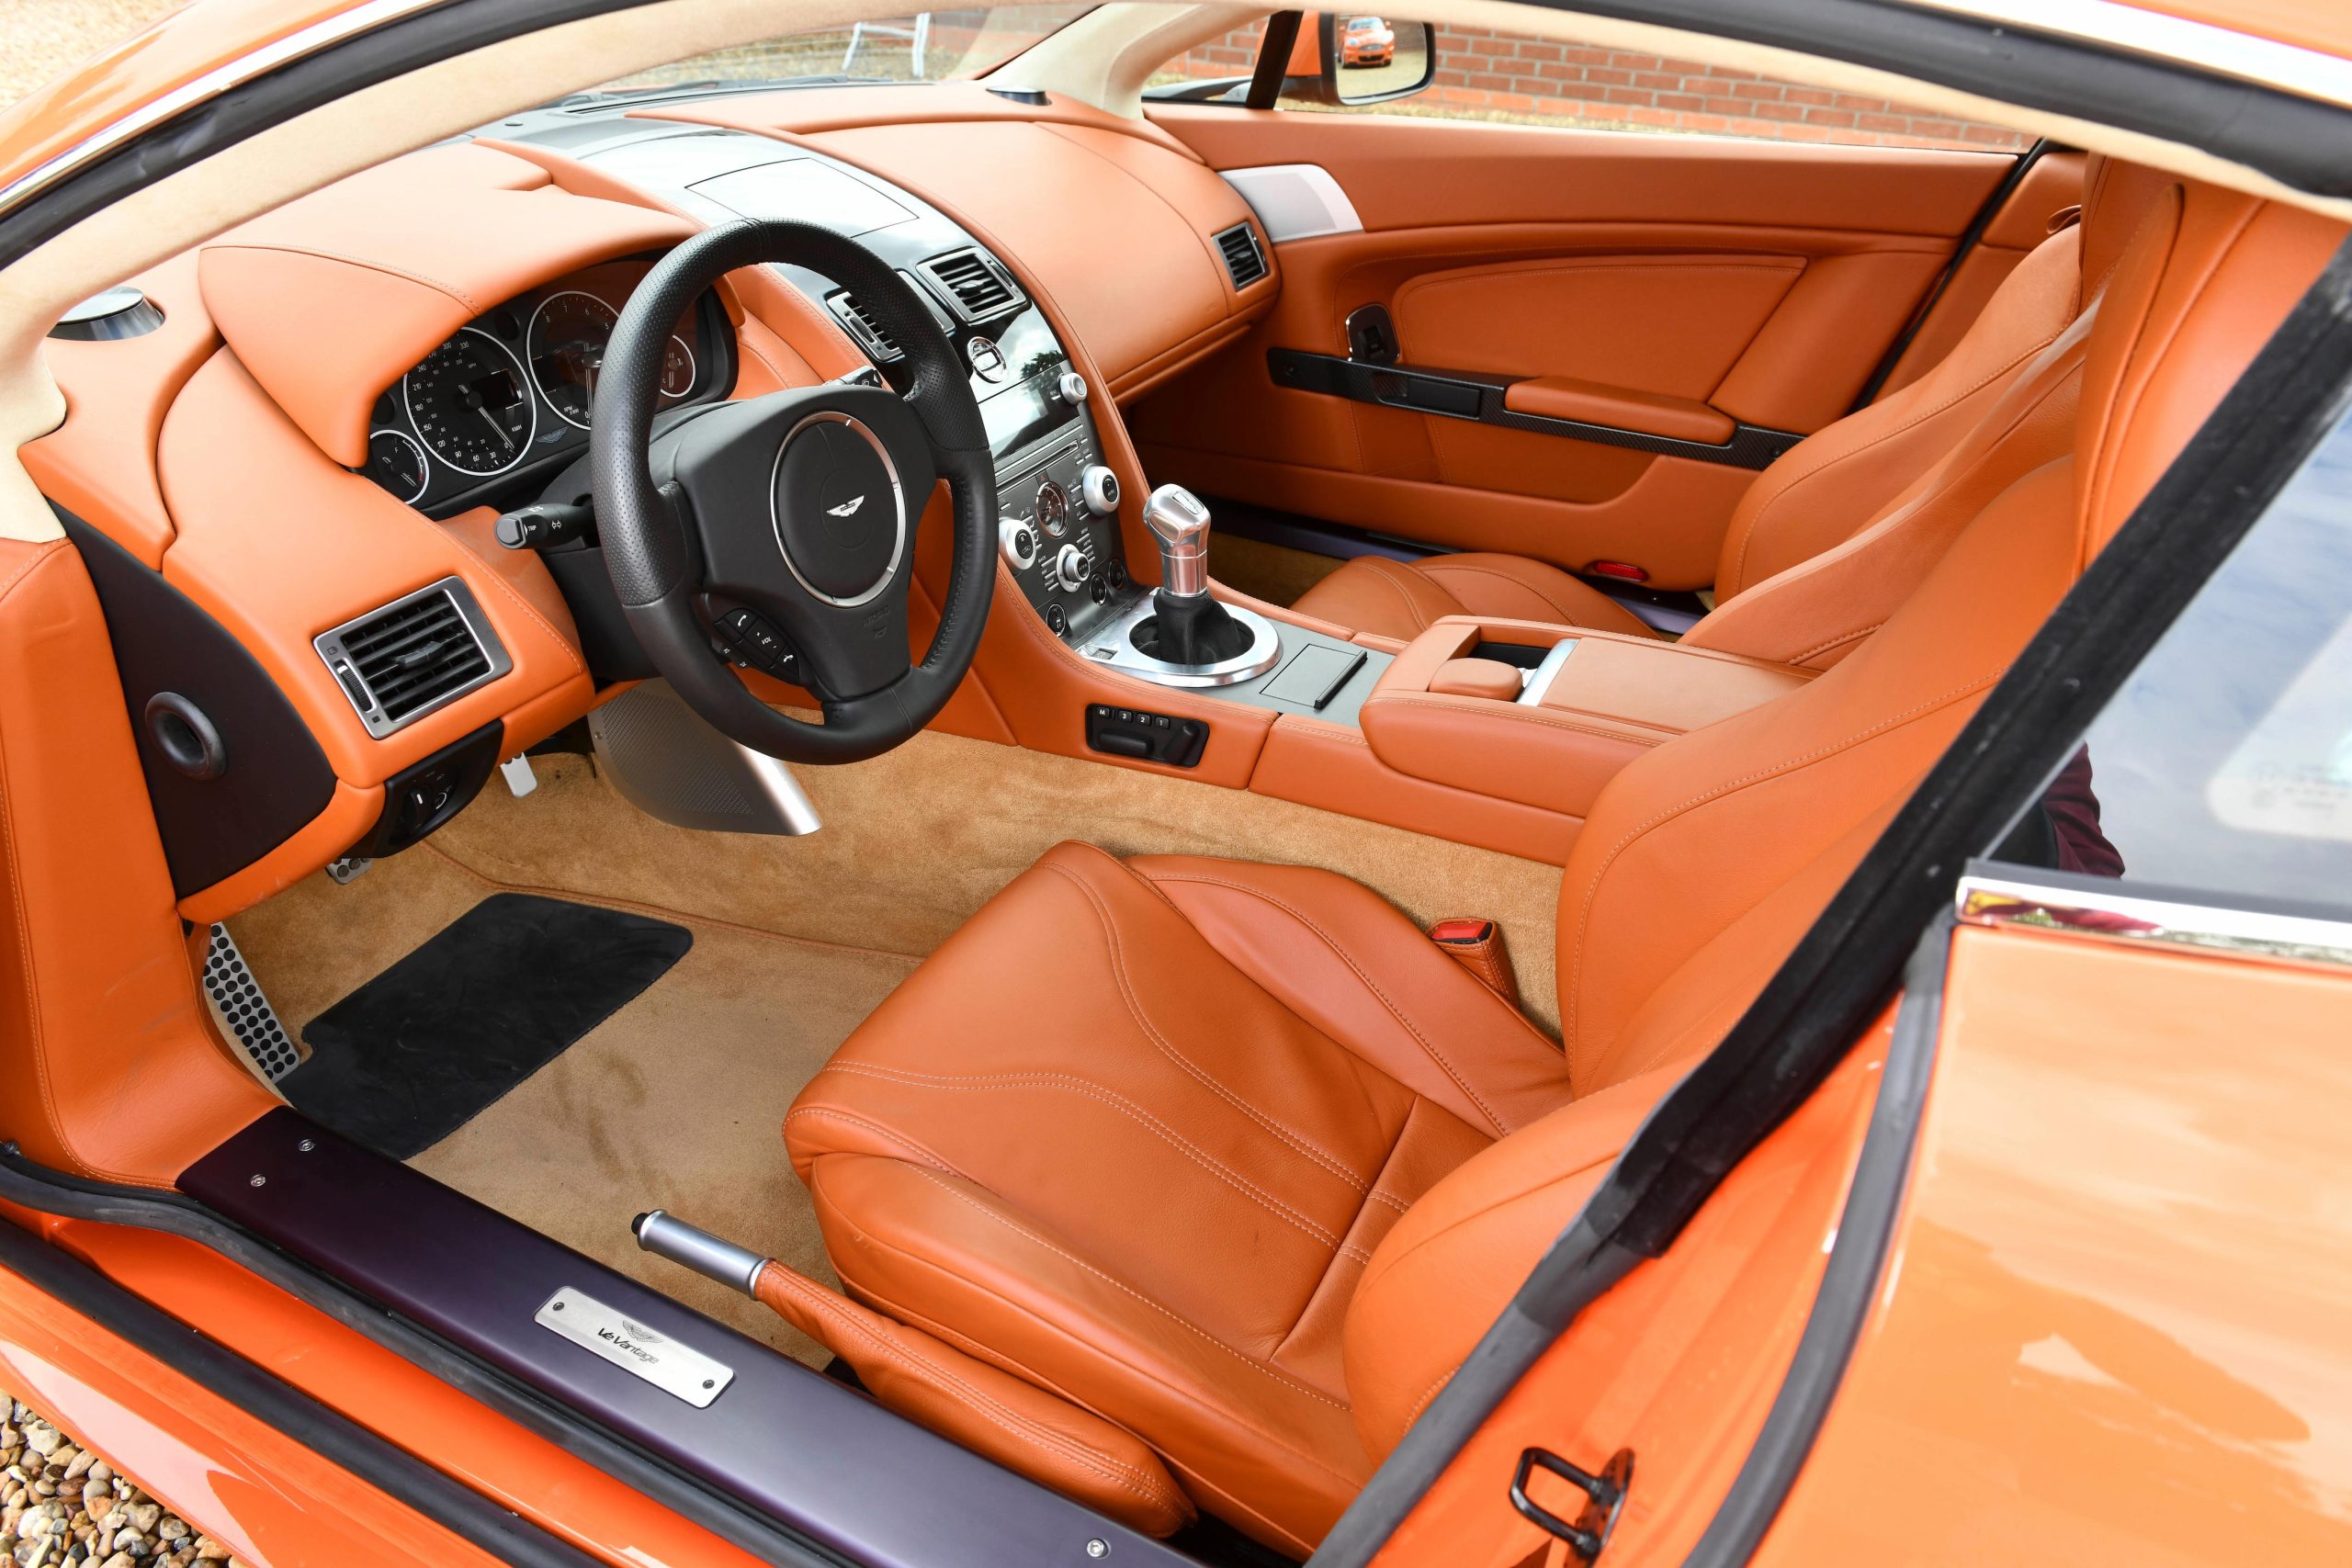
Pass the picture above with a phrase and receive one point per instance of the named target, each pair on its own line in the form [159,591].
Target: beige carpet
[915,840]
[674,1102]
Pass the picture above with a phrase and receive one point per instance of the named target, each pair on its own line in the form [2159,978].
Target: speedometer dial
[569,332]
[470,406]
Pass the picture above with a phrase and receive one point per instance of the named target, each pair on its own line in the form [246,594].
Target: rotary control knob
[1100,486]
[1072,386]
[1019,542]
[1070,565]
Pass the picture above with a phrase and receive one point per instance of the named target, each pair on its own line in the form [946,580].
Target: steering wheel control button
[840,514]
[1100,486]
[757,644]
[1018,541]
[1146,737]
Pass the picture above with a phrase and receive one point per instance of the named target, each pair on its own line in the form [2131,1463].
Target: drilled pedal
[244,1013]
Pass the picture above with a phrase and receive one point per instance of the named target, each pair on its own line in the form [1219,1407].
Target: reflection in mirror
[1373,58]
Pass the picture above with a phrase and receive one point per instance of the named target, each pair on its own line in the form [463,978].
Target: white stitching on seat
[1074,1085]
[1125,1289]
[1135,1009]
[997,1413]
[1429,1047]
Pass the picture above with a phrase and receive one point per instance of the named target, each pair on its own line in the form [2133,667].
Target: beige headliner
[1104,59]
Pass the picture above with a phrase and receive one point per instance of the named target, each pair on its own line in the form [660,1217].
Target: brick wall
[1485,74]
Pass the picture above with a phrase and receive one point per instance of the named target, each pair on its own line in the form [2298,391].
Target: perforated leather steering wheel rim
[655,547]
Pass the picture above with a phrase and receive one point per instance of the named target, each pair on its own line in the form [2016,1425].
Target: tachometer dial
[569,332]
[470,406]
[396,462]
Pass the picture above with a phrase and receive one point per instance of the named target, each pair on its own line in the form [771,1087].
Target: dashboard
[410,380]
[510,396]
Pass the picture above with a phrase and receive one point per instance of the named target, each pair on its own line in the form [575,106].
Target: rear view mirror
[1369,60]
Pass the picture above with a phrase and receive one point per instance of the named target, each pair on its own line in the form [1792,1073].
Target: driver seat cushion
[1132,1133]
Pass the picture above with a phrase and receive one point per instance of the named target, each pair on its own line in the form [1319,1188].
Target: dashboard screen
[1021,413]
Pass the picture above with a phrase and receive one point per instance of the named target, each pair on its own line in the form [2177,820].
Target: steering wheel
[799,507]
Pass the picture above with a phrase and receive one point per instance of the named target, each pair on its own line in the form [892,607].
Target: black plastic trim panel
[273,779]
[827,1464]
[1467,395]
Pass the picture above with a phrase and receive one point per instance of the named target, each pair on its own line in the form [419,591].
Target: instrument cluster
[512,392]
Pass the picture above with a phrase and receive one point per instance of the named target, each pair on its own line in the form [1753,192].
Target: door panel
[1678,279]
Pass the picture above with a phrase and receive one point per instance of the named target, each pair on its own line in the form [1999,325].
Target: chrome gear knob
[1181,523]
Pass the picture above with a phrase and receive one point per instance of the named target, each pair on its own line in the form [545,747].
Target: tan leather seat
[1232,1157]
[1866,474]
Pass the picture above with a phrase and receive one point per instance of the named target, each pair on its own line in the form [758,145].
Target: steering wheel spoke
[801,505]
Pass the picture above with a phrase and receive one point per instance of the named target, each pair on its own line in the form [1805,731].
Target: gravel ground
[61,1504]
[44,38]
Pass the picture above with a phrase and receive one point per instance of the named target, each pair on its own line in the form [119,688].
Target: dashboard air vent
[865,326]
[976,286]
[400,662]
[1243,259]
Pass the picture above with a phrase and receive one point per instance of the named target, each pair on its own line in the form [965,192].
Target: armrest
[1594,402]
[1614,698]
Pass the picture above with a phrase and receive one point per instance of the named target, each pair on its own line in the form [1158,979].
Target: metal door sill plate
[1112,645]
[655,1358]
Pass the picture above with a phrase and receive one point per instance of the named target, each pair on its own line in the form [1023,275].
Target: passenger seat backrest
[1704,861]
[1823,488]
[2001,404]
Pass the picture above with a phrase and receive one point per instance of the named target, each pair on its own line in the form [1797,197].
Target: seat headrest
[2117,198]
[2194,289]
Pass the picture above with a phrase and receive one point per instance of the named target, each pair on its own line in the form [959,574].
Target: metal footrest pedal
[244,1013]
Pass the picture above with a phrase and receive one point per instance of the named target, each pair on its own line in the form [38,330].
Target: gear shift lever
[1181,524]
[1188,627]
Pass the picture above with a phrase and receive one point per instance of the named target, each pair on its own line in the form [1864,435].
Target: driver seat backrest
[1704,861]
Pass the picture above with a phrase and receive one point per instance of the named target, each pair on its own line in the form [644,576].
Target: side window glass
[2223,766]
[1488,74]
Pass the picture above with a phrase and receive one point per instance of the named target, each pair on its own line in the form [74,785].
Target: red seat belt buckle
[1477,945]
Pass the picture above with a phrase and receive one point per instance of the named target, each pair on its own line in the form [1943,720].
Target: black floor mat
[428,1044]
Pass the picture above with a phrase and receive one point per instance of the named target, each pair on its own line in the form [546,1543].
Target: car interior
[1334,651]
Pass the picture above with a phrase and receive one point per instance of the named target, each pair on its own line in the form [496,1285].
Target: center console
[1545,716]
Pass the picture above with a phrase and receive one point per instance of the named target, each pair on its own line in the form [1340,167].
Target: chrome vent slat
[1244,260]
[863,326]
[976,284]
[402,662]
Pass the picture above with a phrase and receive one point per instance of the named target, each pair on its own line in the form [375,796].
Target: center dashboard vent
[864,327]
[399,663]
[977,285]
[1243,259]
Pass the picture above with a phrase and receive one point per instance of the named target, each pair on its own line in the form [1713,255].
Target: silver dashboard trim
[329,646]
[1295,201]
[2116,916]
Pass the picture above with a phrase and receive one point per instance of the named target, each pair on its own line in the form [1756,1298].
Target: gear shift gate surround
[1112,645]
